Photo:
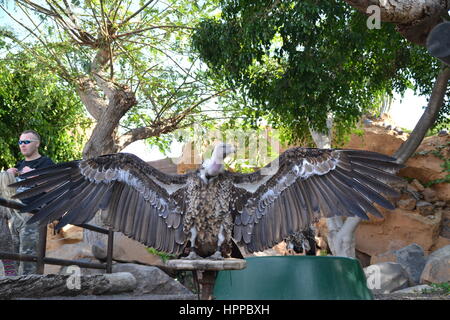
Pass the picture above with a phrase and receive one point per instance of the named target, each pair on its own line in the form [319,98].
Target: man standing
[26,236]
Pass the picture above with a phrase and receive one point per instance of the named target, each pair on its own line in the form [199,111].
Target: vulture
[208,210]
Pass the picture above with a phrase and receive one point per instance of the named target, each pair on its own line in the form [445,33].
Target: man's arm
[13,171]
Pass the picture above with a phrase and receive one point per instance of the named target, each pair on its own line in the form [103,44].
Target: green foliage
[440,288]
[295,62]
[164,256]
[149,42]
[32,98]
[445,165]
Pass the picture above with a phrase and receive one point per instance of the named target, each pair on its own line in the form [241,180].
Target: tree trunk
[427,119]
[341,238]
[103,139]
[414,19]
[341,235]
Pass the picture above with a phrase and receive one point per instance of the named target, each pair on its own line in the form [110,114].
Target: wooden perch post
[207,271]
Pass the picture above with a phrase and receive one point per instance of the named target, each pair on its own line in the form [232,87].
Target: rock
[411,258]
[55,239]
[417,185]
[425,208]
[99,250]
[127,250]
[416,289]
[68,270]
[75,251]
[445,227]
[151,280]
[281,249]
[386,277]
[442,191]
[388,256]
[398,130]
[407,204]
[364,259]
[439,204]
[376,139]
[442,133]
[437,268]
[430,195]
[72,233]
[367,122]
[426,167]
[440,243]
[413,192]
[446,213]
[265,253]
[65,285]
[398,229]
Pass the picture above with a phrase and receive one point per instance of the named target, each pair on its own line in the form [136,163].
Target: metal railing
[41,260]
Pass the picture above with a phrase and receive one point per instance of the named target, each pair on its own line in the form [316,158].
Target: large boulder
[377,137]
[445,230]
[151,280]
[426,165]
[386,277]
[437,268]
[127,250]
[57,239]
[396,230]
[440,243]
[76,251]
[72,233]
[411,258]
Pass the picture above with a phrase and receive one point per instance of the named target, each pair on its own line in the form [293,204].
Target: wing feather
[307,184]
[133,207]
[135,195]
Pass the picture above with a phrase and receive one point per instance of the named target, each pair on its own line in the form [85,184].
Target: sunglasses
[26,141]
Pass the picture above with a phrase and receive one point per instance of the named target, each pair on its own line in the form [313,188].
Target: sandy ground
[412,296]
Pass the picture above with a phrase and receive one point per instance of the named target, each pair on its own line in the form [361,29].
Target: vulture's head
[222,150]
[214,166]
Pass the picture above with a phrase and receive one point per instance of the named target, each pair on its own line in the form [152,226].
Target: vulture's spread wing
[142,202]
[307,183]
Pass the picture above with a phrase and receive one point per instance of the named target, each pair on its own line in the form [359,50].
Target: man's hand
[13,171]
[26,169]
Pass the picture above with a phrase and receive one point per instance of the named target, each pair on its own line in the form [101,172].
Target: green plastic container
[294,278]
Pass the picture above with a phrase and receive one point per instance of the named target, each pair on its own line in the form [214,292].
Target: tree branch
[150,28]
[63,72]
[414,19]
[136,13]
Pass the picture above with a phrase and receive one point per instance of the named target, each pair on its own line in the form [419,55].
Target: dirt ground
[412,296]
